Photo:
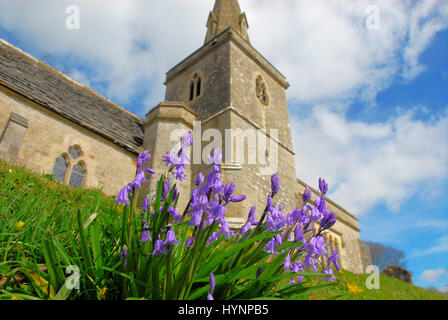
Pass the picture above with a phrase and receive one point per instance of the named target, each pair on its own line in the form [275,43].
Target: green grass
[390,289]
[49,208]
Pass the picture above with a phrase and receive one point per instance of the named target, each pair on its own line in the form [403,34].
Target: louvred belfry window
[195,87]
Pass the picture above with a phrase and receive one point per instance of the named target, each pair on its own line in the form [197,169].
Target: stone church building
[52,124]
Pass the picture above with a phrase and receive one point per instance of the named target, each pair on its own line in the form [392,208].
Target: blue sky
[368,106]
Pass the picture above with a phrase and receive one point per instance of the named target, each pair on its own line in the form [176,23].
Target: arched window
[65,172]
[60,168]
[74,152]
[195,87]
[77,177]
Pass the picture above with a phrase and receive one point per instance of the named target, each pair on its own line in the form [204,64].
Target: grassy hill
[31,204]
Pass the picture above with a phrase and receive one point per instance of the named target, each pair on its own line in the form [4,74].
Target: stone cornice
[171,111]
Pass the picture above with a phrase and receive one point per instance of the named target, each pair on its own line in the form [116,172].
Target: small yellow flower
[354,289]
[190,234]
[103,293]
[19,226]
[10,171]
[15,298]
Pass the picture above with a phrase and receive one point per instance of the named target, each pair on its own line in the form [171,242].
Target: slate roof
[51,89]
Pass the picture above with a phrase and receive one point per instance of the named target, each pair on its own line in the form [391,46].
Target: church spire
[225,14]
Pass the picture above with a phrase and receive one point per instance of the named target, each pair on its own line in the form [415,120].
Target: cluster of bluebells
[208,205]
[209,200]
[312,252]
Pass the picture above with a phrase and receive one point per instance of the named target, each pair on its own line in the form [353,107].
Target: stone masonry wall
[49,136]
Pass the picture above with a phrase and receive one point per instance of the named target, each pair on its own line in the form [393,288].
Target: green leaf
[222,255]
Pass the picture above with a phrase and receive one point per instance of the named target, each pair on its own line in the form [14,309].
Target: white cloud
[440,247]
[367,164]
[433,275]
[321,46]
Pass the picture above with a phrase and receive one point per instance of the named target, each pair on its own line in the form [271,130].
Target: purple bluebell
[159,248]
[306,196]
[123,196]
[138,180]
[225,230]
[237,198]
[217,211]
[275,221]
[142,159]
[328,220]
[334,258]
[250,221]
[212,238]
[287,262]
[199,180]
[212,287]
[269,204]
[299,234]
[329,271]
[228,191]
[275,184]
[146,235]
[145,205]
[171,238]
[176,216]
[195,219]
[150,171]
[293,217]
[323,186]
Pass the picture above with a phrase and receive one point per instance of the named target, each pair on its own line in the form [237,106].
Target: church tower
[235,98]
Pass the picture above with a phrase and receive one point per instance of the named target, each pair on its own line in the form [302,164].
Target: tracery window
[69,168]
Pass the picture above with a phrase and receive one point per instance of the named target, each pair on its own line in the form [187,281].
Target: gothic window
[77,177]
[64,172]
[195,87]
[60,168]
[261,91]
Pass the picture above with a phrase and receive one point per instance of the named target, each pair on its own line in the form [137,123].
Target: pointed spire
[225,14]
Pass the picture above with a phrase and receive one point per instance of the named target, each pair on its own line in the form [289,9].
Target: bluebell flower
[306,196]
[123,196]
[171,238]
[275,184]
[146,235]
[159,248]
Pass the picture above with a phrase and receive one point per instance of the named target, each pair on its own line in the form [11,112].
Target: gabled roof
[58,93]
